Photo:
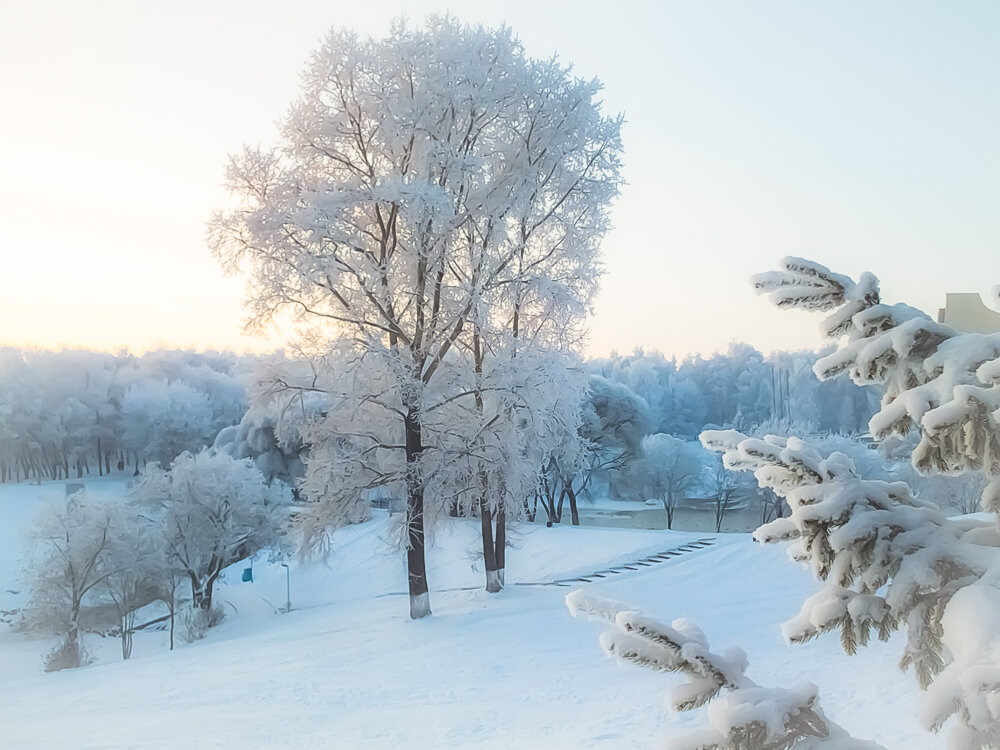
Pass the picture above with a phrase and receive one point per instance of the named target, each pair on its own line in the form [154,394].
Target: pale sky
[863,135]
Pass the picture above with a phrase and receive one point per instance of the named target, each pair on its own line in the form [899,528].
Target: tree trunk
[73,634]
[549,501]
[493,579]
[668,506]
[721,506]
[173,607]
[209,591]
[127,624]
[197,591]
[416,564]
[574,512]
[500,545]
[489,549]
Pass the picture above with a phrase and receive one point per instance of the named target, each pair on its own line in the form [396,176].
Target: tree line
[76,413]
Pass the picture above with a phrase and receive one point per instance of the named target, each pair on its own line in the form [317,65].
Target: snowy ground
[347,669]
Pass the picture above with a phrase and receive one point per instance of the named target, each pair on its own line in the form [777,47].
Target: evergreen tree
[889,559]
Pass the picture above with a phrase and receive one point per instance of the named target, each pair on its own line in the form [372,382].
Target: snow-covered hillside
[347,668]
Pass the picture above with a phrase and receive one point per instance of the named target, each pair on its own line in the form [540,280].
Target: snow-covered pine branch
[888,561]
[944,383]
[740,714]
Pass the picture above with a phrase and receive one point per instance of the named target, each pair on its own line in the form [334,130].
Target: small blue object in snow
[247,575]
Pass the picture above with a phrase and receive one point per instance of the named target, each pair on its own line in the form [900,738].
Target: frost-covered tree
[493,448]
[162,419]
[887,558]
[670,468]
[741,715]
[724,485]
[136,564]
[613,423]
[214,510]
[69,563]
[430,186]
[255,437]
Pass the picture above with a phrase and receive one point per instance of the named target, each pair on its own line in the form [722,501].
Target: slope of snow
[347,669]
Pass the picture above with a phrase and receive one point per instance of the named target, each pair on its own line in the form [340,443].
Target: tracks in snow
[598,575]
[625,568]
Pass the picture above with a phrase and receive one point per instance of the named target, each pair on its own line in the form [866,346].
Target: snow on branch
[741,715]
[887,561]
[933,379]
[804,284]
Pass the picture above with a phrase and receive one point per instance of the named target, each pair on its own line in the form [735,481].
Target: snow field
[347,669]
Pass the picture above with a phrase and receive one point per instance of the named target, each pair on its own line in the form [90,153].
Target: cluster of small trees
[100,558]
[620,455]
[76,412]
[641,413]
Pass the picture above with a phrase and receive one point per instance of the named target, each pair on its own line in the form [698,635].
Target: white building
[966,312]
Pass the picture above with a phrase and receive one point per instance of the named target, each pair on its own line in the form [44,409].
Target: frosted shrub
[196,622]
[69,654]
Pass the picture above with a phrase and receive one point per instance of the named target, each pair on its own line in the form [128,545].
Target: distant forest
[77,413]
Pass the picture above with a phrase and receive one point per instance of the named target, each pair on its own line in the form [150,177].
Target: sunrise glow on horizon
[850,134]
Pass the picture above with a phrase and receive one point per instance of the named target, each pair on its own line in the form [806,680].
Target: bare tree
[671,468]
[135,563]
[724,485]
[69,564]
